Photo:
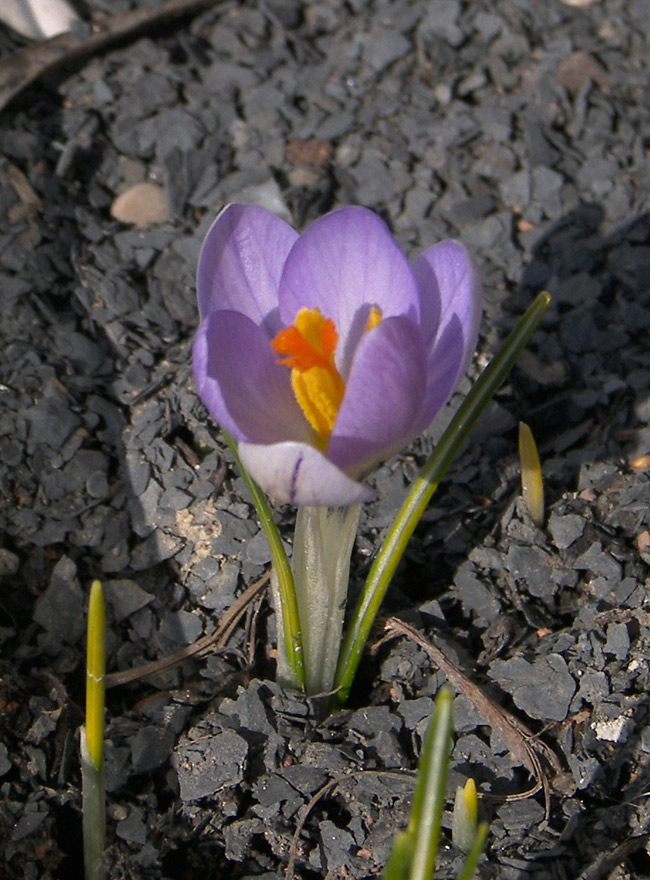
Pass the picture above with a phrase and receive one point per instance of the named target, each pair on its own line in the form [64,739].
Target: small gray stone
[27,824]
[521,815]
[618,641]
[151,747]
[565,529]
[542,689]
[414,711]
[210,764]
[273,790]
[133,828]
[474,595]
[338,846]
[373,720]
[383,47]
[586,771]
[597,561]
[238,836]
[60,609]
[442,21]
[125,597]
[642,407]
[532,566]
[9,563]
[515,190]
[156,548]
[52,421]
[593,687]
[488,25]
[174,499]
[250,709]
[257,550]
[5,763]
[181,627]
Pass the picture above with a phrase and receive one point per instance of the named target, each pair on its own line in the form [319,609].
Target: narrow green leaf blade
[423,488]
[288,600]
[429,797]
[399,861]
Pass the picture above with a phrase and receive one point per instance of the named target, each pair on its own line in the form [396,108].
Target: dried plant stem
[218,639]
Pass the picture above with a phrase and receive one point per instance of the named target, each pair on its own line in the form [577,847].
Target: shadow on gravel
[592,346]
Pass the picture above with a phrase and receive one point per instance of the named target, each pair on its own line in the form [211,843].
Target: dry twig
[218,638]
[324,790]
[540,760]
[24,67]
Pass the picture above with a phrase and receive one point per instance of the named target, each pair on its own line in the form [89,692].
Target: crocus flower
[327,352]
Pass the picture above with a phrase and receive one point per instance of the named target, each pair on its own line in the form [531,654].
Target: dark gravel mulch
[520,128]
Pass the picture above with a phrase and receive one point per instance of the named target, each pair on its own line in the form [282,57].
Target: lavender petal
[241,383]
[383,398]
[451,298]
[297,473]
[344,263]
[241,262]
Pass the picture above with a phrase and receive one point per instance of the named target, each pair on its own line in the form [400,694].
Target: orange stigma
[308,347]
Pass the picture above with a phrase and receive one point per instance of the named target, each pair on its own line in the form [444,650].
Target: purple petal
[241,262]
[241,383]
[383,398]
[451,298]
[296,473]
[345,262]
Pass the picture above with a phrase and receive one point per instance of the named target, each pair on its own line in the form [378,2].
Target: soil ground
[521,128]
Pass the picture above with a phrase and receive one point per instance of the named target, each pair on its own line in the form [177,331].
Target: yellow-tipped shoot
[95,669]
[464,820]
[532,484]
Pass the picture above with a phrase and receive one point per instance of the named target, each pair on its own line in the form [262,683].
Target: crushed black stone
[518,130]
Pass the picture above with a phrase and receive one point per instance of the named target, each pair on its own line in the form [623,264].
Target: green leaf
[464,817]
[399,861]
[429,797]
[93,800]
[413,856]
[423,488]
[292,647]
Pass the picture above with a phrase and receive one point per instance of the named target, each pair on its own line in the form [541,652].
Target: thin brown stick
[251,629]
[324,790]
[27,65]
[540,761]
[218,638]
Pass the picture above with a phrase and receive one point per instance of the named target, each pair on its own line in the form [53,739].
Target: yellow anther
[308,347]
[374,318]
[319,393]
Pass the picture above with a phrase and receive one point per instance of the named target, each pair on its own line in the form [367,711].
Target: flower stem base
[322,547]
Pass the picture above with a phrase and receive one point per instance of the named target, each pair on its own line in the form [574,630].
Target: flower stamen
[308,348]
